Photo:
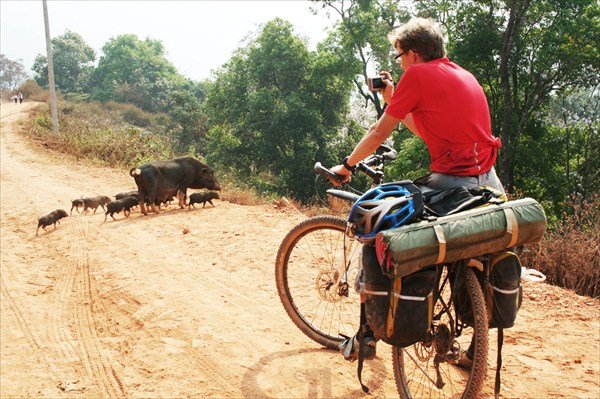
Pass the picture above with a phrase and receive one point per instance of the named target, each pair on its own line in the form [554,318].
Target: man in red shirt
[441,103]
[445,106]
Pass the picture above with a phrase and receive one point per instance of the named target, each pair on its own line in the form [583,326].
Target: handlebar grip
[323,171]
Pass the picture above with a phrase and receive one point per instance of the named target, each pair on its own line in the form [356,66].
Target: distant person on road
[15,97]
[20,98]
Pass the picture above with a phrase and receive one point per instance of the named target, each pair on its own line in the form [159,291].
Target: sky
[199,36]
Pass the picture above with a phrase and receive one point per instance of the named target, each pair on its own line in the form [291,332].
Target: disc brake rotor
[325,286]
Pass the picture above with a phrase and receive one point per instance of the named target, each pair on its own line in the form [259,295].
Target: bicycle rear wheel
[429,369]
[315,271]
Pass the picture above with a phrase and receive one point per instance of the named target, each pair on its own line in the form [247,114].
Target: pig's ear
[204,171]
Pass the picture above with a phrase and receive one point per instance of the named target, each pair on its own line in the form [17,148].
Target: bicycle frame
[343,263]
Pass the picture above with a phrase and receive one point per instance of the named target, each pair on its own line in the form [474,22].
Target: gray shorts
[442,181]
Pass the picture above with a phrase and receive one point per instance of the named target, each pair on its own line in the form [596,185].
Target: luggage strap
[361,346]
[439,233]
[498,363]
[512,226]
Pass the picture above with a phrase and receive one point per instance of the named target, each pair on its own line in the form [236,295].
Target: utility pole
[51,87]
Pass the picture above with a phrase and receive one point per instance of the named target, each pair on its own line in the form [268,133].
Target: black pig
[159,179]
[124,204]
[95,202]
[203,198]
[51,218]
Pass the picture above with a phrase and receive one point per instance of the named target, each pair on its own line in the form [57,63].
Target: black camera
[376,83]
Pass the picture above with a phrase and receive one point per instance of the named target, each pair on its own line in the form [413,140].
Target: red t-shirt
[451,113]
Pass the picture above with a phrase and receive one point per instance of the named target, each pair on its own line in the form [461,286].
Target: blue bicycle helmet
[385,207]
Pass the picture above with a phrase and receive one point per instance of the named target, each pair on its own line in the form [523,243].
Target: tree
[186,121]
[273,110]
[577,114]
[568,173]
[12,73]
[558,49]
[135,71]
[73,64]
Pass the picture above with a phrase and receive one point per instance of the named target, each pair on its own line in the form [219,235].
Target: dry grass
[240,196]
[569,256]
[108,134]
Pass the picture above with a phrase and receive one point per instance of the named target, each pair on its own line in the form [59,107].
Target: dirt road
[183,304]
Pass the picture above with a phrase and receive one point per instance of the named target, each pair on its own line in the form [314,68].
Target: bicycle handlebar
[382,154]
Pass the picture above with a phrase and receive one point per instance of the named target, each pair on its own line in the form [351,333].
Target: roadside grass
[102,133]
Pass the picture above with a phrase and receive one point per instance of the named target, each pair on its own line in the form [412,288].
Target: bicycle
[316,267]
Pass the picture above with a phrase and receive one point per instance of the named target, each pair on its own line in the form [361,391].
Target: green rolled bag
[404,250]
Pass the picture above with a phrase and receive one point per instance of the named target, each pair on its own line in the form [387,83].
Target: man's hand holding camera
[382,83]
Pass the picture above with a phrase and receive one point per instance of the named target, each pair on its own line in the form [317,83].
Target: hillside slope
[183,304]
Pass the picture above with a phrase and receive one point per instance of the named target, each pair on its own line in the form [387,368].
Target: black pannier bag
[505,293]
[502,289]
[398,310]
[501,285]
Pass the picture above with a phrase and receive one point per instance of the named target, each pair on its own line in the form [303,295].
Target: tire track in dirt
[53,340]
[59,332]
[97,364]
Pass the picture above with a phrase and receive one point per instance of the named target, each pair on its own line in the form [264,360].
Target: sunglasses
[397,57]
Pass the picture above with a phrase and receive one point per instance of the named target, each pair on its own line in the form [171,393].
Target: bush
[136,117]
[569,255]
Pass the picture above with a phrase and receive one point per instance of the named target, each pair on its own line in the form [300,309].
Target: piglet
[51,218]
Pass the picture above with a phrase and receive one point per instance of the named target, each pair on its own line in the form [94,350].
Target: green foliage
[137,72]
[413,158]
[186,121]
[266,113]
[73,61]
[43,121]
[569,140]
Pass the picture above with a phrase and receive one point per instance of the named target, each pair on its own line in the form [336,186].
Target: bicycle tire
[414,368]
[305,273]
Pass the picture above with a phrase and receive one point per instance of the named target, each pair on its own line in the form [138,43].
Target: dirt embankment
[183,304]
